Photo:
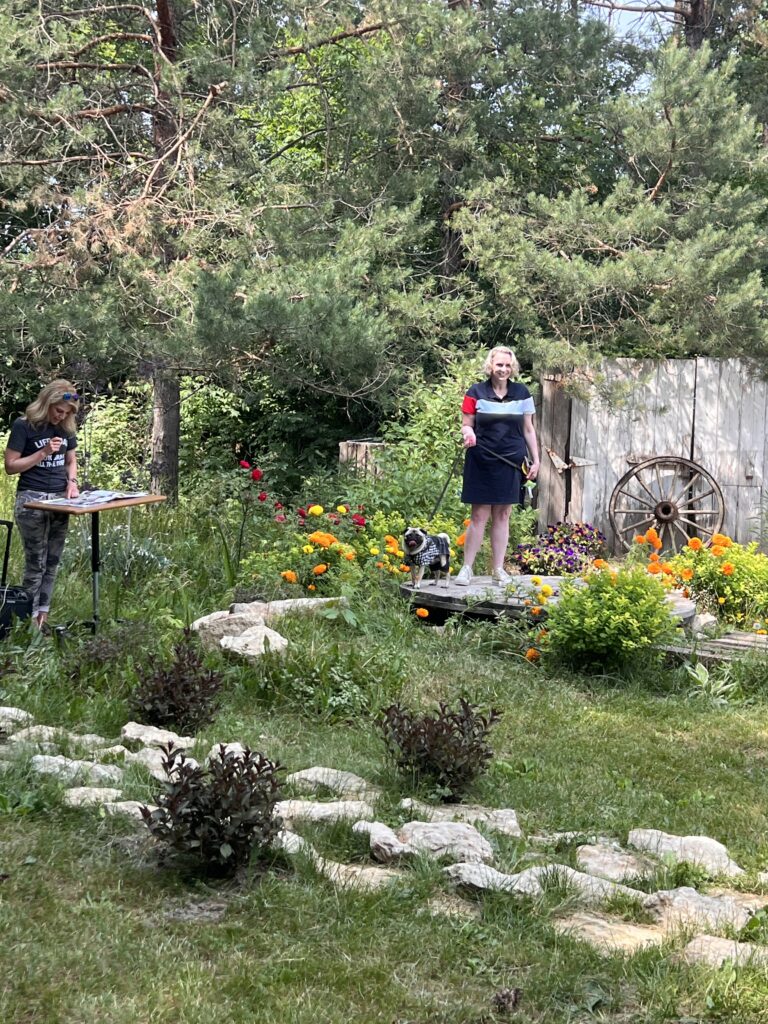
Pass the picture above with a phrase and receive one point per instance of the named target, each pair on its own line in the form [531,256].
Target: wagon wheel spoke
[697,526]
[636,526]
[647,490]
[685,536]
[699,512]
[687,486]
[697,497]
[637,497]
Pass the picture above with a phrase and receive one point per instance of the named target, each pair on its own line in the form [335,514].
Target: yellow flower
[341,509]
[721,600]
[761,632]
[373,551]
[315,510]
[307,549]
[290,576]
[320,569]
[422,613]
[546,590]
[536,580]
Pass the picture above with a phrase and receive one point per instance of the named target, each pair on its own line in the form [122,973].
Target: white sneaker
[501,576]
[464,576]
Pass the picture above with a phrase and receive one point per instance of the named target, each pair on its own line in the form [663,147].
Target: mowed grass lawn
[94,931]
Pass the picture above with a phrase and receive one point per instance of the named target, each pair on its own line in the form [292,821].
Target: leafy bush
[218,816]
[565,549]
[183,694]
[449,749]
[725,578]
[601,623]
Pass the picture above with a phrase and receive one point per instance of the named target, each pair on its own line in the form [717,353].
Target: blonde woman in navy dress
[497,419]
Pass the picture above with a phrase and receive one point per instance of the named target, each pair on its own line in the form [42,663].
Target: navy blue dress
[498,428]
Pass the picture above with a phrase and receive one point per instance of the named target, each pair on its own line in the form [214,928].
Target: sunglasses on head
[70,396]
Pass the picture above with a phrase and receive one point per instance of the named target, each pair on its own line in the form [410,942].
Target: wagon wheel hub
[675,496]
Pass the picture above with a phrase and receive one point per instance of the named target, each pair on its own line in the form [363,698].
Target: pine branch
[356,33]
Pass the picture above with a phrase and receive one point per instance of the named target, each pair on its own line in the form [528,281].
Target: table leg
[95,569]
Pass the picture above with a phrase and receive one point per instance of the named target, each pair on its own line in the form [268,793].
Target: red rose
[302,512]
[358,520]
[278,504]
[256,474]
[263,496]
[244,464]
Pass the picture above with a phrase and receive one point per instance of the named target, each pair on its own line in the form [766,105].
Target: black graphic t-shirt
[51,473]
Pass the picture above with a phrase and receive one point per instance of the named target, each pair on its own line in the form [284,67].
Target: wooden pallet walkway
[485,598]
[723,648]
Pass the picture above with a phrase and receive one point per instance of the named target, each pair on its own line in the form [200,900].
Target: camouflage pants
[43,535]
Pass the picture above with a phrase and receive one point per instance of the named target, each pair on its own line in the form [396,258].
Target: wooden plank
[725,648]
[554,431]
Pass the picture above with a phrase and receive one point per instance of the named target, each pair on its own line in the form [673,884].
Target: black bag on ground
[15,602]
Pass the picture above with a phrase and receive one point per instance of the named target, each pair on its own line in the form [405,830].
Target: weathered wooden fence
[712,412]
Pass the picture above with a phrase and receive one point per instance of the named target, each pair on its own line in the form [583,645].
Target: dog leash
[485,448]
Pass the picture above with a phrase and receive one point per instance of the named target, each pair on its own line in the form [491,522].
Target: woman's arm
[15,462]
[529,433]
[468,429]
[70,464]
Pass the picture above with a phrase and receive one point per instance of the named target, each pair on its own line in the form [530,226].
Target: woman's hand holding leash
[468,436]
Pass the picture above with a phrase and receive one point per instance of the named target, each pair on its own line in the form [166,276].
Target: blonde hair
[488,364]
[53,394]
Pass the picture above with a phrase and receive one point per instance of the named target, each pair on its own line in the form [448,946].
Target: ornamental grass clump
[603,622]
[448,750]
[220,816]
[564,550]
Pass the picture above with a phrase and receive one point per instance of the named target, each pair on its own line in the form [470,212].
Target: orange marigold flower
[320,569]
[600,563]
[405,568]
[542,634]
[532,654]
[322,539]
[389,539]
[657,544]
[311,586]
[651,535]
[686,592]
[654,557]
[422,613]
[639,539]
[667,569]
[695,544]
[654,568]
[535,610]
[290,576]
[379,565]
[461,538]
[727,568]
[350,556]
[722,540]
[466,522]
[686,574]
[717,550]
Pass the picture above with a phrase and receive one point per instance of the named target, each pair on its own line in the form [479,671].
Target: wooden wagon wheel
[676,496]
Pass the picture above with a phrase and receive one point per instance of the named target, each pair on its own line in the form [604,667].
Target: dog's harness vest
[436,550]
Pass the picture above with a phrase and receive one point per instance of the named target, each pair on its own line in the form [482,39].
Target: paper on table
[88,498]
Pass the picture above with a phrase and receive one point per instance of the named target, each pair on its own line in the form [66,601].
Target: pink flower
[262,496]
[244,464]
[278,504]
[302,512]
[358,520]
[256,474]
[280,518]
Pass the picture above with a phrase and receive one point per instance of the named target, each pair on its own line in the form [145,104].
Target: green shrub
[448,749]
[183,694]
[727,579]
[219,816]
[601,623]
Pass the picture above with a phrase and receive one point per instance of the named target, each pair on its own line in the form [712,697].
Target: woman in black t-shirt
[497,429]
[42,450]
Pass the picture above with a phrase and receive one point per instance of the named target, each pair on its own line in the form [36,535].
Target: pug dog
[425,551]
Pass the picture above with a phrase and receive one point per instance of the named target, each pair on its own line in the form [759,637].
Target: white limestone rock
[214,754]
[87,796]
[479,878]
[345,784]
[213,628]
[329,811]
[503,819]
[612,862]
[555,839]
[152,759]
[714,951]
[699,850]
[455,840]
[128,808]
[13,719]
[355,876]
[270,611]
[703,623]
[684,908]
[254,642]
[533,881]
[609,935]
[118,750]
[385,846]
[67,770]
[151,736]
[292,844]
[50,735]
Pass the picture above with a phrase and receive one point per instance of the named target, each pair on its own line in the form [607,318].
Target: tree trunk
[697,18]
[166,402]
